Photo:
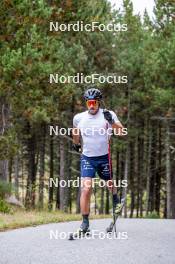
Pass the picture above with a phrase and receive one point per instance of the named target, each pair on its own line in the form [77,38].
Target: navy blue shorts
[92,165]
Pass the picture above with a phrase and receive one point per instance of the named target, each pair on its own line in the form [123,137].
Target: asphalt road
[139,241]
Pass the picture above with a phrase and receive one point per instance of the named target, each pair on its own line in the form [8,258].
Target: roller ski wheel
[80,233]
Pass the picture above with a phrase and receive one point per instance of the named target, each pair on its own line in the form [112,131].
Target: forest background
[29,104]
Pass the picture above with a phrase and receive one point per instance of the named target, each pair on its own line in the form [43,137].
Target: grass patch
[22,218]
[153,215]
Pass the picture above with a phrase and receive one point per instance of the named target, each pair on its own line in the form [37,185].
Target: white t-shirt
[94,132]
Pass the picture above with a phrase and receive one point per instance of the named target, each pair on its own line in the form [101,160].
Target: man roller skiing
[93,125]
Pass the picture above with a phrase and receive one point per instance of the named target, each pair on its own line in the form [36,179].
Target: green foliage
[152,215]
[5,188]
[4,207]
[8,144]
[29,53]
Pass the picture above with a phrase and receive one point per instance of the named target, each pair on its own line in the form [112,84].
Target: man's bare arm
[119,129]
[76,136]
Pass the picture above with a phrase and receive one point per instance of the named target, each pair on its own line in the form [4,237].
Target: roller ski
[116,213]
[81,232]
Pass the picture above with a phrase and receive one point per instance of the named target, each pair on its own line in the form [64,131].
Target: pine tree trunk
[30,193]
[64,193]
[95,200]
[168,172]
[58,173]
[158,172]
[141,160]
[69,164]
[4,168]
[16,163]
[51,176]
[10,169]
[172,190]
[78,189]
[42,167]
[22,176]
[148,169]
[101,211]
[132,187]
[137,175]
[107,202]
[151,170]
[126,172]
[4,123]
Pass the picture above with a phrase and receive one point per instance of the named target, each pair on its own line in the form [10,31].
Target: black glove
[77,147]
[108,116]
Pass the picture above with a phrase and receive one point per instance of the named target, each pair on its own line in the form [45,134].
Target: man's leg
[86,189]
[116,200]
[113,189]
[88,171]
[105,173]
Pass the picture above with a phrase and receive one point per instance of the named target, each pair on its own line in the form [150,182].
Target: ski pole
[110,173]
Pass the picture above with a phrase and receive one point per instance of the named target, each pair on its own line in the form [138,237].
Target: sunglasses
[92,103]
